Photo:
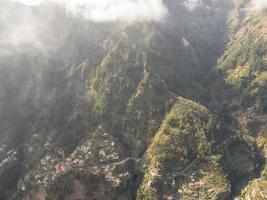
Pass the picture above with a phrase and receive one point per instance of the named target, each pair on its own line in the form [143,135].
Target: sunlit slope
[180,160]
[244,67]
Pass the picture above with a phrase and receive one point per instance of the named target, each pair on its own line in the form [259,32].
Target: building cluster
[93,155]
[9,157]
[199,189]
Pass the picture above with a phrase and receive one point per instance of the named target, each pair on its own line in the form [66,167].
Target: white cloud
[18,29]
[112,10]
[30,2]
[191,4]
[259,4]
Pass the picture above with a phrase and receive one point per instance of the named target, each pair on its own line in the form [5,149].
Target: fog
[19,28]
[22,27]
[259,4]
[111,10]
[29,24]
[191,4]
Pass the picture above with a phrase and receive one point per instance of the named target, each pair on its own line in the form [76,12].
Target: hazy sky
[112,10]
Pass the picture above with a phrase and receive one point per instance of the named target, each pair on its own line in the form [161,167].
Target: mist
[191,4]
[19,28]
[111,10]
[25,25]
[259,4]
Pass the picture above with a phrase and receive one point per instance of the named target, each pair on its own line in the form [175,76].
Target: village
[95,156]
[9,157]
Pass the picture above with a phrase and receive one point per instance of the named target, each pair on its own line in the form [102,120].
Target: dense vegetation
[137,110]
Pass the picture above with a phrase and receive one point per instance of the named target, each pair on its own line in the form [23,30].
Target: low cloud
[191,4]
[112,10]
[23,29]
[259,4]
[20,29]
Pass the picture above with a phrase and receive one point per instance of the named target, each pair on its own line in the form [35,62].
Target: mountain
[142,110]
[243,66]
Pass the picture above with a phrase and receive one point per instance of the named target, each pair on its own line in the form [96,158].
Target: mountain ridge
[139,110]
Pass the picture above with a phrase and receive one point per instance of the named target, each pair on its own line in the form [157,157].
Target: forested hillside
[135,110]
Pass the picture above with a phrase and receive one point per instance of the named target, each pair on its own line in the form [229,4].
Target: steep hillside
[136,110]
[180,161]
[244,67]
